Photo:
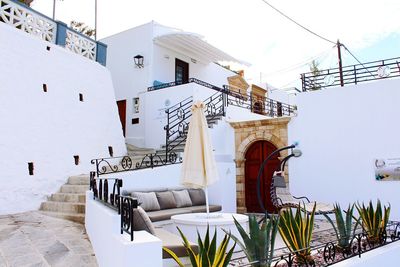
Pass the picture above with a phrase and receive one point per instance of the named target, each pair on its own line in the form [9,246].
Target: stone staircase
[69,202]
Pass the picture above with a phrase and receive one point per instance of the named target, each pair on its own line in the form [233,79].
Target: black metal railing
[258,104]
[126,208]
[178,117]
[129,163]
[101,192]
[326,253]
[124,205]
[352,74]
[176,83]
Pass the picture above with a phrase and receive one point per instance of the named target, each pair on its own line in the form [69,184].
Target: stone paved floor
[33,239]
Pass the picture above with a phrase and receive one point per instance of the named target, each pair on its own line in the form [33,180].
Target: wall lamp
[139,61]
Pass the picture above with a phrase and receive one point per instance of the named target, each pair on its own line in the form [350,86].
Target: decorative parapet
[30,21]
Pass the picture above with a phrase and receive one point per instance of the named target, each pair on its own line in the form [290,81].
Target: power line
[298,24]
[357,60]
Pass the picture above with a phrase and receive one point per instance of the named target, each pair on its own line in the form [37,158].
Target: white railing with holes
[28,20]
[80,44]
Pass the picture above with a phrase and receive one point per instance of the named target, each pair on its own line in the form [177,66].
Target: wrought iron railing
[178,117]
[101,192]
[35,23]
[124,205]
[326,253]
[353,74]
[258,104]
[176,83]
[129,163]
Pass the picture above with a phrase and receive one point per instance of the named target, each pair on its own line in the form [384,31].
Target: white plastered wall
[340,132]
[49,128]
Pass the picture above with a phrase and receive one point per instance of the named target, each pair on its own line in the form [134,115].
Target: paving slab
[33,239]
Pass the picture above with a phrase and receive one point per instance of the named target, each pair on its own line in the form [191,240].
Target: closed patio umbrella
[199,169]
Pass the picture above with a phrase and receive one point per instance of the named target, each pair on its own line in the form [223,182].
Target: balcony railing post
[251,101]
[101,53]
[61,35]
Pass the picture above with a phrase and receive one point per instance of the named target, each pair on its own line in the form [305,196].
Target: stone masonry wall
[248,132]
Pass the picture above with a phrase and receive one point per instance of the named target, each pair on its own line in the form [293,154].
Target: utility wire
[357,60]
[298,24]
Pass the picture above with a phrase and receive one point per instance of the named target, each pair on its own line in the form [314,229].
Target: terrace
[26,19]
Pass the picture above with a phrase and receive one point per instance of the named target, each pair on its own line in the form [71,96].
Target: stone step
[75,217]
[79,180]
[63,207]
[68,197]
[75,189]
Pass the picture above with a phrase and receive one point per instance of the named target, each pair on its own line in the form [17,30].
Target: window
[136,105]
[181,71]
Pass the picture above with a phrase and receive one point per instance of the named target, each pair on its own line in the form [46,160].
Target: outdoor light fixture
[139,61]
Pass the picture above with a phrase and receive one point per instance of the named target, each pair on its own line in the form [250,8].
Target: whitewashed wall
[48,129]
[159,64]
[341,131]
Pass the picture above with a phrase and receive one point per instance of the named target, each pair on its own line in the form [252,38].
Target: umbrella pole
[207,205]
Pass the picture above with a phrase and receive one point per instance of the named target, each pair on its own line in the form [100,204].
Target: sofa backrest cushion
[141,221]
[166,200]
[182,198]
[197,196]
[148,201]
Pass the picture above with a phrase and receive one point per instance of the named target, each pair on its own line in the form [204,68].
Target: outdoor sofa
[160,204]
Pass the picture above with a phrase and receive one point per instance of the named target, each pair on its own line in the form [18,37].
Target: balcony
[32,22]
[352,74]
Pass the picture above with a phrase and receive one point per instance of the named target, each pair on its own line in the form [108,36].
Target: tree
[82,28]
[315,72]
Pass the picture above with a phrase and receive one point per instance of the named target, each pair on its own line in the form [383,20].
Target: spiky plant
[209,255]
[374,220]
[343,227]
[296,231]
[259,244]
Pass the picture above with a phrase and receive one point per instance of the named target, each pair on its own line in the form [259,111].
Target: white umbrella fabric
[199,169]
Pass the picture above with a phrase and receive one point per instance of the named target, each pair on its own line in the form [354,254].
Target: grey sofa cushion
[202,208]
[174,243]
[166,200]
[141,221]
[148,201]
[197,196]
[182,198]
[161,215]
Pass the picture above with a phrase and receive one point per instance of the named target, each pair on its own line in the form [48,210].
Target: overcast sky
[250,30]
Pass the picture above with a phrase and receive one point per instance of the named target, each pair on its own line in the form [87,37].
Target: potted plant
[259,244]
[209,255]
[343,227]
[296,231]
[374,221]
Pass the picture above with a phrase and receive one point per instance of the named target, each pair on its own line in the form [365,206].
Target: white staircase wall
[49,128]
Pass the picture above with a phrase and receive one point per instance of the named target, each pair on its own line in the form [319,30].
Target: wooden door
[255,155]
[122,113]
[181,71]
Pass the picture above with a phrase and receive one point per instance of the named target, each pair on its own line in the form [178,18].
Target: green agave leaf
[213,248]
[176,258]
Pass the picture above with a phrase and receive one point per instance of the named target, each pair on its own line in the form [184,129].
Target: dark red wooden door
[255,155]
[122,113]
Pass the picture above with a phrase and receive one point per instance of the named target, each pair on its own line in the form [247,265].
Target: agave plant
[209,255]
[296,231]
[259,244]
[343,227]
[374,220]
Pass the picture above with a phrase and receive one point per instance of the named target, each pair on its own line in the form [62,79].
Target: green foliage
[314,69]
[296,231]
[209,255]
[343,226]
[259,244]
[82,28]
[374,220]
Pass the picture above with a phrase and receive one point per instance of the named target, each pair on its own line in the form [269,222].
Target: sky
[250,30]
